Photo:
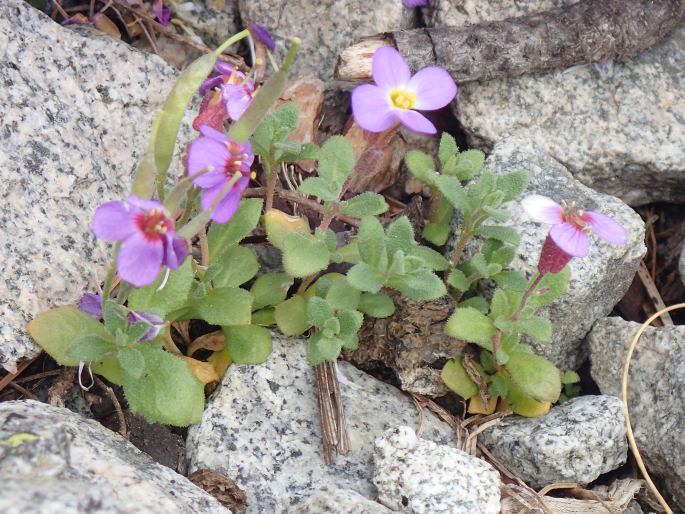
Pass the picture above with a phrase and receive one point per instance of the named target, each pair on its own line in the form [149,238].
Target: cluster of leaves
[507,367]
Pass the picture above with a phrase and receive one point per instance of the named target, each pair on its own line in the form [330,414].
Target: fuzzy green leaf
[470,325]
[378,305]
[452,191]
[321,349]
[234,267]
[364,204]
[468,164]
[365,278]
[319,311]
[438,229]
[321,188]
[512,184]
[291,316]
[336,160]
[419,285]
[458,280]
[278,225]
[447,153]
[513,280]
[551,287]
[350,322]
[304,254]
[222,306]
[421,166]
[264,317]
[432,259]
[270,289]
[537,328]
[90,348]
[570,377]
[371,243]
[535,376]
[247,344]
[342,296]
[455,377]
[476,302]
[132,361]
[505,234]
[400,236]
[223,236]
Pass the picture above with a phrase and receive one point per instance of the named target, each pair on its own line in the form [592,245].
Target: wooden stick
[333,425]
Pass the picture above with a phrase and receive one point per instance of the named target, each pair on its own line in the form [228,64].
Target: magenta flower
[397,96]
[236,91]
[147,236]
[163,14]
[413,4]
[570,228]
[229,167]
[261,33]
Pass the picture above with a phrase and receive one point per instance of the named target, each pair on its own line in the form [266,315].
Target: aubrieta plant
[179,253]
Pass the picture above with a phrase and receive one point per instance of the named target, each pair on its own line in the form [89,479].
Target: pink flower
[397,96]
[147,236]
[571,226]
[236,91]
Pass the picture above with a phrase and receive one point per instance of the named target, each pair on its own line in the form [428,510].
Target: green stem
[111,272]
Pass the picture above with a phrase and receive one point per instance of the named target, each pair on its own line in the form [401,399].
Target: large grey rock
[325,27]
[421,477]
[620,131]
[213,25]
[599,280]
[575,442]
[76,114]
[261,428]
[56,462]
[457,13]
[656,392]
[340,500]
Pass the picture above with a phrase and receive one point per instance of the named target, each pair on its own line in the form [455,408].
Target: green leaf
[438,228]
[551,287]
[537,328]
[331,327]
[90,348]
[512,184]
[365,278]
[371,243]
[421,166]
[115,316]
[342,296]
[505,234]
[278,225]
[455,377]
[496,214]
[270,289]
[470,325]
[319,311]
[513,280]
[364,204]
[498,386]
[321,188]
[223,236]
[535,376]
[266,96]
[500,306]
[167,392]
[400,236]
[336,160]
[321,349]
[476,302]
[247,344]
[132,361]
[349,253]
[291,316]
[502,256]
[570,377]
[447,153]
[235,266]
[458,280]
[452,191]
[378,305]
[432,259]
[304,254]
[468,164]
[222,306]
[350,321]
[419,285]
[264,317]
[285,120]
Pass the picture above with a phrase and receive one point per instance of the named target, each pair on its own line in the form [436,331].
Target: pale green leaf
[535,376]
[367,203]
[365,278]
[222,306]
[132,361]
[455,377]
[291,316]
[371,243]
[247,344]
[452,191]
[468,164]
[470,325]
[223,236]
[270,289]
[378,305]
[421,166]
[235,266]
[304,254]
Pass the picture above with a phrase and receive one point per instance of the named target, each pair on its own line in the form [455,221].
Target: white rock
[419,476]
[457,13]
[575,442]
[340,500]
[56,462]
[261,428]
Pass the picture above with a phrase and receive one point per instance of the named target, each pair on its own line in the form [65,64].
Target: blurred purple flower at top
[260,32]
[229,167]
[163,14]
[91,304]
[412,4]
[236,91]
[397,96]
[148,239]
[568,236]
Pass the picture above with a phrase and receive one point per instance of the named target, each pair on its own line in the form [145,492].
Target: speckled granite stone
[261,429]
[212,25]
[621,131]
[56,462]
[341,500]
[599,280]
[681,264]
[421,477]
[575,442]
[656,392]
[75,117]
[457,13]
[325,27]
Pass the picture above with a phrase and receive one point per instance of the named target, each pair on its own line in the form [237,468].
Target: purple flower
[236,91]
[163,14]
[91,304]
[229,164]
[397,96]
[261,33]
[570,227]
[147,236]
[412,4]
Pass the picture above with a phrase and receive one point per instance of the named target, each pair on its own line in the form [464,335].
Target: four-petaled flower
[568,236]
[229,171]
[236,91]
[148,239]
[397,96]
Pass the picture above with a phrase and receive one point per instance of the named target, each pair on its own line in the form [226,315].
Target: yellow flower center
[402,99]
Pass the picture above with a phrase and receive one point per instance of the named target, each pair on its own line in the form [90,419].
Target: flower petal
[91,304]
[371,108]
[237,99]
[206,152]
[223,68]
[175,250]
[260,32]
[210,83]
[412,4]
[389,69]
[229,203]
[570,239]
[606,228]
[139,260]
[213,133]
[434,88]
[543,209]
[415,121]
[113,221]
[146,205]
[210,195]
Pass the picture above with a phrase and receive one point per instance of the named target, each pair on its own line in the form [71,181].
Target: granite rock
[656,392]
[213,25]
[576,441]
[619,128]
[458,13]
[261,428]
[599,280]
[681,264]
[76,113]
[56,462]
[340,500]
[325,27]
[419,476]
